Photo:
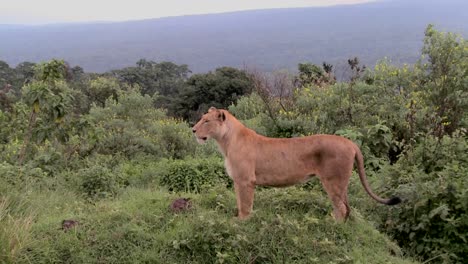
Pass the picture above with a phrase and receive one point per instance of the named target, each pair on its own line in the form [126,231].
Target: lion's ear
[212,109]
[222,116]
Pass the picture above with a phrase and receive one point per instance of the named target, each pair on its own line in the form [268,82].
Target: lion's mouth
[201,140]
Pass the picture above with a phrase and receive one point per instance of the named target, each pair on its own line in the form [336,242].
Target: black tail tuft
[394,200]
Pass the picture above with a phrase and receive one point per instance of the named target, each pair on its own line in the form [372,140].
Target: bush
[100,182]
[251,110]
[193,175]
[174,138]
[19,177]
[149,132]
[99,176]
[432,222]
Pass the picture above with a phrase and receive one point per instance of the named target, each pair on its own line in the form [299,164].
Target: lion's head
[211,125]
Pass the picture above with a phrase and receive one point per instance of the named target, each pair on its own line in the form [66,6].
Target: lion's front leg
[245,196]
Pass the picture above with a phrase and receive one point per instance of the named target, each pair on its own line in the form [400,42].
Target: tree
[311,74]
[5,98]
[445,77]
[219,89]
[6,74]
[48,97]
[356,69]
[24,73]
[164,78]
[51,71]
[102,88]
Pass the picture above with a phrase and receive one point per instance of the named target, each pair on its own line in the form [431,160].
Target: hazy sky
[52,11]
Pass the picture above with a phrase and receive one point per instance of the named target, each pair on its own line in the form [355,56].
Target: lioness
[252,159]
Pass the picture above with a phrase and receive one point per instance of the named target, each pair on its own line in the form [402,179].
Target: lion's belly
[282,173]
[281,181]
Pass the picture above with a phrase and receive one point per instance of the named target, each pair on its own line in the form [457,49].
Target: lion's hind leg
[337,190]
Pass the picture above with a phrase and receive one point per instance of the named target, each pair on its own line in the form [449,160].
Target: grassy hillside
[289,226]
[267,39]
[96,151]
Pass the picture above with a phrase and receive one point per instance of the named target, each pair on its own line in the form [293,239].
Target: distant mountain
[266,39]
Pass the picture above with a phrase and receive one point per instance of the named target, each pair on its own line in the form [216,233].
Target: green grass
[287,226]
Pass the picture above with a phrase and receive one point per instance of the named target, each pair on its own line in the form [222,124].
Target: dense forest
[268,39]
[103,167]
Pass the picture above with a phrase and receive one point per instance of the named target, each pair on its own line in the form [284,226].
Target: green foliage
[251,110]
[174,138]
[48,158]
[49,101]
[51,71]
[433,92]
[133,127]
[100,182]
[247,107]
[165,78]
[5,74]
[311,74]
[14,176]
[446,79]
[220,89]
[24,73]
[14,78]
[101,89]
[52,98]
[96,176]
[379,139]
[194,175]
[433,219]
[11,146]
[78,145]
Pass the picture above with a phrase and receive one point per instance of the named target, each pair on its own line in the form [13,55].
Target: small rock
[68,224]
[180,205]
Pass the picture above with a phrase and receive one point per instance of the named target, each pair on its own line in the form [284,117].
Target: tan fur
[252,159]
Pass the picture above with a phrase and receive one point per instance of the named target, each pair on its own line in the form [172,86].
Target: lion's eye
[206,121]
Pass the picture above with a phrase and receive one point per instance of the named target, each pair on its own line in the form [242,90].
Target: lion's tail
[362,176]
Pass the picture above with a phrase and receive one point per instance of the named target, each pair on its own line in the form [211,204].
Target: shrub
[192,175]
[20,176]
[132,127]
[248,107]
[432,222]
[252,111]
[174,138]
[100,182]
[100,176]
